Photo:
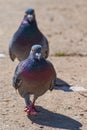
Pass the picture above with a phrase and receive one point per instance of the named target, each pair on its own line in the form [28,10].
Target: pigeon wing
[17,81]
[53,82]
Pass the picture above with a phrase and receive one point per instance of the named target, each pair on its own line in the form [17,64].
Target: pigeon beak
[30,17]
[38,56]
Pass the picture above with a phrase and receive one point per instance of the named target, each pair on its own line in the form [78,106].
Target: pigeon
[33,77]
[26,36]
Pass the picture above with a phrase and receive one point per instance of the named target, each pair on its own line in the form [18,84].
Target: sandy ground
[64,22]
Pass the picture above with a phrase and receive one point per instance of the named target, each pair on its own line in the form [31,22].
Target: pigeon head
[30,15]
[36,52]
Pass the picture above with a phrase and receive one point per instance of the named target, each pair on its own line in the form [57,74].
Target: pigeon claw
[31,110]
[25,109]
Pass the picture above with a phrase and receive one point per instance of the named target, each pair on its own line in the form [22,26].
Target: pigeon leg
[32,110]
[33,106]
[27,102]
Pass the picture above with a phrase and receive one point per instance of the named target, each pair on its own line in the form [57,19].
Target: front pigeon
[34,76]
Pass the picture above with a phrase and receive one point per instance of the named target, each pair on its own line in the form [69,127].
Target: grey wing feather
[12,56]
[52,85]
[45,47]
[17,81]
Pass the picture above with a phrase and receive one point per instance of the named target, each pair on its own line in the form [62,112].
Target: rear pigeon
[26,36]
[34,76]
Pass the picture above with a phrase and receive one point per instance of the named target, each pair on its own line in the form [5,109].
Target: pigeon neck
[32,23]
[27,22]
[32,56]
[24,22]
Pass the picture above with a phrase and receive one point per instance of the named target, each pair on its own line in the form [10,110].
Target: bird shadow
[54,120]
[62,85]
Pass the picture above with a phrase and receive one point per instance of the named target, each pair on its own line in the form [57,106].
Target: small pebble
[81,114]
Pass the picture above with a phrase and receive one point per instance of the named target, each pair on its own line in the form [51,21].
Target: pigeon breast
[36,77]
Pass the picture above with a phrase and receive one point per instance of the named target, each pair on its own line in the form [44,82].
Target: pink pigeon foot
[31,110]
[26,108]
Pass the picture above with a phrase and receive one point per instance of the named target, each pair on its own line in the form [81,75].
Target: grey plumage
[26,36]
[35,75]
